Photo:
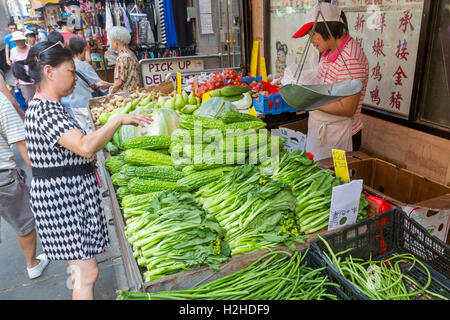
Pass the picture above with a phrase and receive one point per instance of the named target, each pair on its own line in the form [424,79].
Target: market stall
[185,221]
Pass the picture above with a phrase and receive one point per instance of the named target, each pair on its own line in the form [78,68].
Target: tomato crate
[379,238]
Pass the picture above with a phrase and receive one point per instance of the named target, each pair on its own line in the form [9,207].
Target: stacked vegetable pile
[228,77]
[230,139]
[115,102]
[256,213]
[313,189]
[173,234]
[278,275]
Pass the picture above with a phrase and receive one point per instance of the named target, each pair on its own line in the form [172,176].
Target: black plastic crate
[380,237]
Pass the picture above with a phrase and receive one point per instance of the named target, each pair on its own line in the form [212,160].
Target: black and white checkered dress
[68,210]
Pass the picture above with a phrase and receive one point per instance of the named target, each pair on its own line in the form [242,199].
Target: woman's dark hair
[337,29]
[76,45]
[37,58]
[54,37]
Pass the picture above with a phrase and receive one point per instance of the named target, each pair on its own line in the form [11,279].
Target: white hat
[17,35]
[28,32]
[330,12]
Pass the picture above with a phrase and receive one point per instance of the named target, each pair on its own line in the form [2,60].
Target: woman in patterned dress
[64,194]
[127,74]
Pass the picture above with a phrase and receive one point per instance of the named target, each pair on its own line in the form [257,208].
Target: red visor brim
[303,30]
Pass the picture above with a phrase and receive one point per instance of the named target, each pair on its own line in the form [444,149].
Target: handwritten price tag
[340,165]
[345,204]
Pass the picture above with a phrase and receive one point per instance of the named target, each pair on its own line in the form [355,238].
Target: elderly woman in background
[127,74]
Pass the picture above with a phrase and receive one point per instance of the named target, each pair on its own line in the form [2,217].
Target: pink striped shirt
[332,69]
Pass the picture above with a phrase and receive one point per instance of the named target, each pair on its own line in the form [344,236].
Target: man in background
[67,26]
[14,193]
[12,27]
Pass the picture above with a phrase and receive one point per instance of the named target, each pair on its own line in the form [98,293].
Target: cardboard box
[425,200]
[295,134]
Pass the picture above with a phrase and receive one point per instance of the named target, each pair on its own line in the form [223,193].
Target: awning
[38,4]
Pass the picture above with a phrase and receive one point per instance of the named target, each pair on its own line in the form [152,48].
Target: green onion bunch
[383,279]
[278,275]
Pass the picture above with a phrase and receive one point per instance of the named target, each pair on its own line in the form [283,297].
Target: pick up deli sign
[154,71]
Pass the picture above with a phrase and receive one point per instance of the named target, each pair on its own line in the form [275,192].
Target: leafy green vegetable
[257,213]
[176,234]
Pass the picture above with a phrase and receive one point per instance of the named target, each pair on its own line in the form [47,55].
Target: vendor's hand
[8,62]
[136,119]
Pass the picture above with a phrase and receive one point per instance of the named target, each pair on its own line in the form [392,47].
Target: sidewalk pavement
[55,283]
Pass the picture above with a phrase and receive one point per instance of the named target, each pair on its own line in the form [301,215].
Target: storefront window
[435,106]
[388,32]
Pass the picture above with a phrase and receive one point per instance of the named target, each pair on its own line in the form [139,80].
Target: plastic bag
[165,121]
[308,76]
[214,107]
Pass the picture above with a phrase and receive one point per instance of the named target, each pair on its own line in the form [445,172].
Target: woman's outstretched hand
[136,119]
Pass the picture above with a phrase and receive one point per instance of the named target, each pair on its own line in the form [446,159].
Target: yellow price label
[178,82]
[206,96]
[340,165]
[252,111]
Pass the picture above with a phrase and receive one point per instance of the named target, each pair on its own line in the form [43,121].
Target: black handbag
[95,90]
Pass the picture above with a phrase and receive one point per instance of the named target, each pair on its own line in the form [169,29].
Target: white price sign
[345,204]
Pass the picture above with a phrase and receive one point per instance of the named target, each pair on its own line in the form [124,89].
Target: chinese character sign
[389,33]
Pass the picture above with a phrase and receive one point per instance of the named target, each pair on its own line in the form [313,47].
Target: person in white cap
[336,125]
[31,37]
[20,53]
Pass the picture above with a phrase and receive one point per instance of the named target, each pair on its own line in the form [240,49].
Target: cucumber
[234,98]
[231,91]
[216,93]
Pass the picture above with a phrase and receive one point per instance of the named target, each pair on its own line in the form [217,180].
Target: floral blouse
[127,69]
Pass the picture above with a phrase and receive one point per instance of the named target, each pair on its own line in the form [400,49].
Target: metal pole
[105,69]
[229,34]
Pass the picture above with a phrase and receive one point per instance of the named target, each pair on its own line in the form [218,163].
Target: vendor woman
[336,125]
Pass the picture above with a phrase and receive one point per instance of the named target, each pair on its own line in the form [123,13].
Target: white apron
[326,132]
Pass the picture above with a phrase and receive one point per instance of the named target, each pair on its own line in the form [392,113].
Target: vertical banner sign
[340,165]
[345,204]
[254,59]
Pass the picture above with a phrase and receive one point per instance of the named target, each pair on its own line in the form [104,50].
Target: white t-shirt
[12,130]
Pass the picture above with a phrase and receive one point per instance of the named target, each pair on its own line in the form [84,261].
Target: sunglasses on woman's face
[38,58]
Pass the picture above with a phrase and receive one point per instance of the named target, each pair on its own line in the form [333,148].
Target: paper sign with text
[345,204]
[340,164]
[154,71]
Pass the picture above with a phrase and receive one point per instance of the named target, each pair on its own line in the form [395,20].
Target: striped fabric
[332,69]
[162,22]
[12,130]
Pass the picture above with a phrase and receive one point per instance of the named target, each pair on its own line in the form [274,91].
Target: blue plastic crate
[249,80]
[273,104]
